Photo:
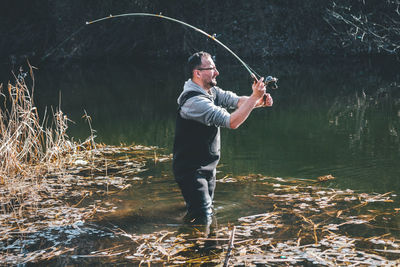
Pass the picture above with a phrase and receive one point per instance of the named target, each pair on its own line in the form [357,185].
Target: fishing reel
[271,82]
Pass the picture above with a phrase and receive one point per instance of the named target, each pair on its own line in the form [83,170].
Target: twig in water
[231,241]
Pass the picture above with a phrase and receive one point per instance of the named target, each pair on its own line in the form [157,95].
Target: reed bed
[69,197]
[45,177]
[28,149]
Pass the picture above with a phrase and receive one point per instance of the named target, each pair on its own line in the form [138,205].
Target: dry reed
[27,148]
[48,181]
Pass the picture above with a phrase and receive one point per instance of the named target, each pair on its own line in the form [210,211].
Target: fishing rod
[268,81]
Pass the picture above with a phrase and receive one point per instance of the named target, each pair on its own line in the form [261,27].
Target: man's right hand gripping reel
[270,83]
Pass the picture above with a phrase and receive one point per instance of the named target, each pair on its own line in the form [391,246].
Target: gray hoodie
[201,108]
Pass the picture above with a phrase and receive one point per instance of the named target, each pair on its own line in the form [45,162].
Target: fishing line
[253,74]
[63,42]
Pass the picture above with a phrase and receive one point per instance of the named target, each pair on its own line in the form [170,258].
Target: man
[201,111]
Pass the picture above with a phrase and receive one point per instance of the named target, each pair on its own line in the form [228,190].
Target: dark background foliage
[55,30]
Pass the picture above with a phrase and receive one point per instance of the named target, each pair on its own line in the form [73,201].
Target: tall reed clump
[27,147]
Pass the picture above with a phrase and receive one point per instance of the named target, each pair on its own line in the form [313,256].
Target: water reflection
[338,118]
[327,119]
[358,111]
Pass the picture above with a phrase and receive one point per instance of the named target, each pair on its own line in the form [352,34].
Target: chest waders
[196,154]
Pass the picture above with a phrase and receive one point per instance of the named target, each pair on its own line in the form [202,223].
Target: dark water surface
[338,117]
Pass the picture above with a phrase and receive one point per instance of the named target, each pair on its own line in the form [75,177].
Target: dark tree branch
[373,23]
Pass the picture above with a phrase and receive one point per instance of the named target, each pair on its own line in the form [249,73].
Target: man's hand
[247,104]
[258,89]
[265,101]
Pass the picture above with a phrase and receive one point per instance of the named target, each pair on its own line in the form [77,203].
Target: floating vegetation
[49,183]
[67,199]
[303,223]
[307,224]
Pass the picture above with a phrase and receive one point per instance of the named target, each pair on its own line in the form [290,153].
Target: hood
[191,86]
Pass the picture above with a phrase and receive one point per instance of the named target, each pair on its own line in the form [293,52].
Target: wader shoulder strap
[186,96]
[191,94]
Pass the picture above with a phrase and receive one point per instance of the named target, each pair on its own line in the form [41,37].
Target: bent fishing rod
[269,81]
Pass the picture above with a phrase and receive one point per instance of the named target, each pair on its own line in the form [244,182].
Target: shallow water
[329,117]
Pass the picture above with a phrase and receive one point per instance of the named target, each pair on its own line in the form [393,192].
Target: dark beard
[212,83]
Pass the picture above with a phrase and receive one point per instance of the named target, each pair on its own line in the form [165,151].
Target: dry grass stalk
[27,148]
[72,196]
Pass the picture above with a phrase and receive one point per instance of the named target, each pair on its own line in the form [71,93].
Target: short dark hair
[194,61]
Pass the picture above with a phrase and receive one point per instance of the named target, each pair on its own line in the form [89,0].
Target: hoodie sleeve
[202,109]
[226,99]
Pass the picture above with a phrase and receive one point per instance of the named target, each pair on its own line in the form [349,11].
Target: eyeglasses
[211,68]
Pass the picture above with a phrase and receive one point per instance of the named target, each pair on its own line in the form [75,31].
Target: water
[329,117]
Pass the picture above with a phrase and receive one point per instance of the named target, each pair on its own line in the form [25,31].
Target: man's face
[208,72]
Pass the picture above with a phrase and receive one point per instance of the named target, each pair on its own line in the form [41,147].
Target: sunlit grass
[29,148]
[47,180]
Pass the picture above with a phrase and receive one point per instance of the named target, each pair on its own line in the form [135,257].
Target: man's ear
[196,73]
